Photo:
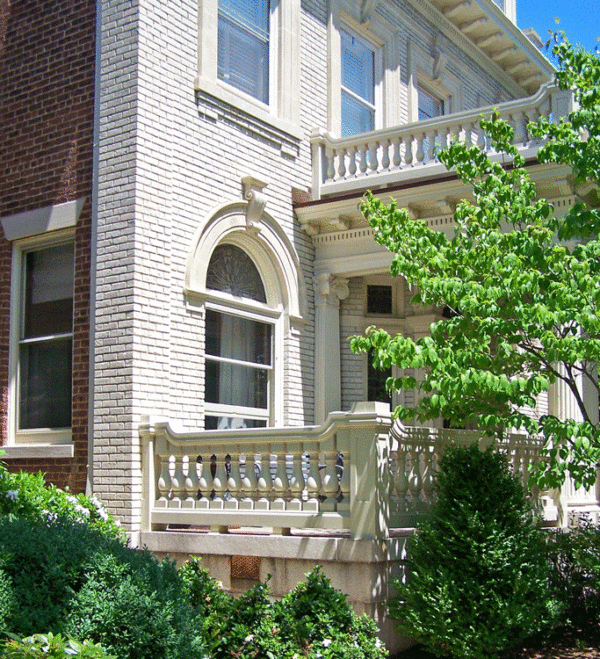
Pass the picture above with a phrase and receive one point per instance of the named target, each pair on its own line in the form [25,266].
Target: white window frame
[283,109]
[270,314]
[36,436]
[377,35]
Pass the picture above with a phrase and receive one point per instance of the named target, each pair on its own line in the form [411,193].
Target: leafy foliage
[52,647]
[575,559]
[28,496]
[523,306]
[69,577]
[314,620]
[478,581]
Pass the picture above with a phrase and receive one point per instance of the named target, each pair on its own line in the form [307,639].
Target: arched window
[239,344]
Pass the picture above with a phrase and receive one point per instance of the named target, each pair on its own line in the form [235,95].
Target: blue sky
[580,19]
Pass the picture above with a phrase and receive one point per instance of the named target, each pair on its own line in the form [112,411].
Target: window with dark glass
[46,338]
[376,382]
[243,46]
[238,355]
[429,105]
[379,299]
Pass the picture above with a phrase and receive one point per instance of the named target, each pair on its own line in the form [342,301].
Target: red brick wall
[46,115]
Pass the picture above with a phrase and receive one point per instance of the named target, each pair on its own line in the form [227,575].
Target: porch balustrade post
[369,471]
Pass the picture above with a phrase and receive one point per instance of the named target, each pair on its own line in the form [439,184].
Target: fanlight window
[238,355]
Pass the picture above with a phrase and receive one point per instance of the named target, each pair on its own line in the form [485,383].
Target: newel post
[147,437]
[369,431]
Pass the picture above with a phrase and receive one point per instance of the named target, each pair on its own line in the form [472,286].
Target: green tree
[520,285]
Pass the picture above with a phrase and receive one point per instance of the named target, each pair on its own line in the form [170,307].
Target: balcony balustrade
[409,152]
[358,473]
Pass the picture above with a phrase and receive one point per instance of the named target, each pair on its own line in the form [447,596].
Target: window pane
[48,292]
[232,271]
[356,117]
[429,105]
[358,67]
[379,299]
[376,389]
[243,50]
[235,423]
[45,385]
[238,338]
[234,384]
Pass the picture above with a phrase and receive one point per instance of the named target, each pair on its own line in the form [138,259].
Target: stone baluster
[352,161]
[232,471]
[414,475]
[420,155]
[329,481]
[329,161]
[163,485]
[427,476]
[204,480]
[313,484]
[373,156]
[341,154]
[408,154]
[385,154]
[400,478]
[481,138]
[191,481]
[217,468]
[296,480]
[280,479]
[248,481]
[177,479]
[263,482]
[364,150]
[397,157]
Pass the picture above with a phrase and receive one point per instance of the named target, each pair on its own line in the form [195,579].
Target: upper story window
[239,346]
[45,339]
[249,57]
[243,46]
[358,85]
[430,106]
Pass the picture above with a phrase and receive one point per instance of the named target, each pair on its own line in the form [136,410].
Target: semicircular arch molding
[269,248]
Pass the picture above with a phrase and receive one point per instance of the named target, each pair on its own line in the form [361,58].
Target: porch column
[329,290]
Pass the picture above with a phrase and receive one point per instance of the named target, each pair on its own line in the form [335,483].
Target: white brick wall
[168,157]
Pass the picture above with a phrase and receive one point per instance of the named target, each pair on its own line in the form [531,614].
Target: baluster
[363,158]
[248,481]
[217,469]
[232,471]
[177,481]
[191,482]
[313,484]
[414,476]
[204,480]
[420,155]
[397,157]
[342,164]
[521,128]
[385,155]
[400,479]
[531,116]
[427,478]
[329,161]
[373,156]
[408,157]
[329,481]
[263,481]
[296,481]
[163,485]
[280,480]
[481,139]
[352,161]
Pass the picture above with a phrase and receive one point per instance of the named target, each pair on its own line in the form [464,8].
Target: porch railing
[391,155]
[355,473]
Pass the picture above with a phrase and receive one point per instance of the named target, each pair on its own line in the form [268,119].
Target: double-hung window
[430,106]
[243,46]
[358,85]
[45,339]
[239,344]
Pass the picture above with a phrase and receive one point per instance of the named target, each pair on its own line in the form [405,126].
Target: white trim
[283,109]
[36,435]
[42,220]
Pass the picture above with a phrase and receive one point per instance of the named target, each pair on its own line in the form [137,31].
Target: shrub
[575,560]
[51,647]
[28,496]
[478,577]
[69,578]
[314,620]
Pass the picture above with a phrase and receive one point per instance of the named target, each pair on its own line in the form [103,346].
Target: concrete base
[361,569]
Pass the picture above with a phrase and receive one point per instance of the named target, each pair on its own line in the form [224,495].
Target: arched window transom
[232,271]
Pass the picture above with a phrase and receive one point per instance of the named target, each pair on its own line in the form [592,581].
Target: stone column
[329,290]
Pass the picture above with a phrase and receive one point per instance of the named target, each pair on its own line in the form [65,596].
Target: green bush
[28,496]
[478,577]
[314,620]
[51,647]
[575,560]
[69,578]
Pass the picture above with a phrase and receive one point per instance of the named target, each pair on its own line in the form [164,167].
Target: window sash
[430,106]
[357,85]
[243,47]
